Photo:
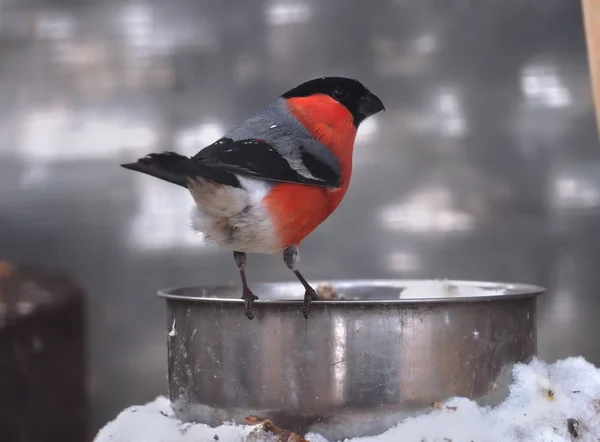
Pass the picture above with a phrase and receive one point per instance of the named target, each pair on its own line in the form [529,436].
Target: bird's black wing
[259,159]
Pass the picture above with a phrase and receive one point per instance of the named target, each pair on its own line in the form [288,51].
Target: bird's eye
[339,93]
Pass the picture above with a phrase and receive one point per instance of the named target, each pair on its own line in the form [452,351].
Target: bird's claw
[310,295]
[249,299]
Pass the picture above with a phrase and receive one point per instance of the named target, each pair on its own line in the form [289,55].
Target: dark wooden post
[42,356]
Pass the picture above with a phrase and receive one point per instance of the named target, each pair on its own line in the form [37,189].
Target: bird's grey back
[279,128]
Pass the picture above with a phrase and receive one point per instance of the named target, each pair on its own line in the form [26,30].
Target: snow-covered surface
[547,403]
[443,289]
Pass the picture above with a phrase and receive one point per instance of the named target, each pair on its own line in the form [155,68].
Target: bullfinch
[269,182]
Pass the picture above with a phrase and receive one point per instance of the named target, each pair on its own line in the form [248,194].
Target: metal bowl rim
[515,291]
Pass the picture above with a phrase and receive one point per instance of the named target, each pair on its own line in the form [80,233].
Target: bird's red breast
[295,209]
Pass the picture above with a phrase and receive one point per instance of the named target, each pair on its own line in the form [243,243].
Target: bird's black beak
[370,104]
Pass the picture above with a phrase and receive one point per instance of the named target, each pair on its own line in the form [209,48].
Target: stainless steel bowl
[361,361]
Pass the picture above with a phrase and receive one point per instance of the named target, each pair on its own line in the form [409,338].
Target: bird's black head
[360,101]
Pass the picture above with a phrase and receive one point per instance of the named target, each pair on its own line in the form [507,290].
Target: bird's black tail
[177,169]
[167,166]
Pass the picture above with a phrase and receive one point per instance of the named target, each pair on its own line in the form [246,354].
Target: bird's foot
[310,295]
[249,299]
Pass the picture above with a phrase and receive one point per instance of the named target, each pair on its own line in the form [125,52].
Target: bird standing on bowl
[269,182]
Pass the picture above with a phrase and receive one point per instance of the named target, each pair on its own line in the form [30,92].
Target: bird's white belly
[249,231]
[233,217]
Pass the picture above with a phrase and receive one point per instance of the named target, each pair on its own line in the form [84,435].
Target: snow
[443,289]
[173,332]
[547,403]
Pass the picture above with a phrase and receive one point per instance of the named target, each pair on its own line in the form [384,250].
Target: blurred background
[485,166]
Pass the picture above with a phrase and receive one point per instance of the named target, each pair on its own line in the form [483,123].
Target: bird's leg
[291,257]
[247,295]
